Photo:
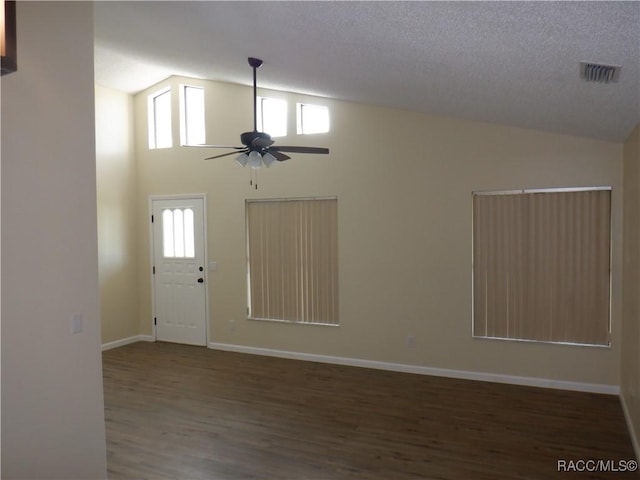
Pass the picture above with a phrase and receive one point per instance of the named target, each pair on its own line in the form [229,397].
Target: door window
[178,233]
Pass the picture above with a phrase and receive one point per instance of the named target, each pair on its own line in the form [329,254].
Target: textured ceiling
[514,63]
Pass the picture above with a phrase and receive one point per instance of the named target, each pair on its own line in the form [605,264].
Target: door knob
[201,280]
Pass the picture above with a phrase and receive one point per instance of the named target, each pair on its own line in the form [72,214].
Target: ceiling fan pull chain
[253,183]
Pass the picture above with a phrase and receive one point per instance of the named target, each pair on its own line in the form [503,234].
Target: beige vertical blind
[293,260]
[542,266]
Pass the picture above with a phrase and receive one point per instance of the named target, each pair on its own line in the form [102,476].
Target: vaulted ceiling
[514,63]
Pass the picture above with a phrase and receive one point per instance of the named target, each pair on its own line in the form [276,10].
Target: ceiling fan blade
[226,154]
[283,148]
[204,145]
[281,157]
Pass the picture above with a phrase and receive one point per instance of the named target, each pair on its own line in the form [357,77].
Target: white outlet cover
[76,323]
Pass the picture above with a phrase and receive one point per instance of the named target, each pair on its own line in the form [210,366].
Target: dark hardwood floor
[180,412]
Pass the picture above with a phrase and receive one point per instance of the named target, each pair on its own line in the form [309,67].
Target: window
[178,228]
[159,117]
[272,116]
[312,118]
[192,131]
[541,265]
[292,248]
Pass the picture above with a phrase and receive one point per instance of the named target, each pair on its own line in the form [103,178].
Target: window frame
[250,308]
[185,116]
[300,114]
[261,111]
[152,120]
[609,266]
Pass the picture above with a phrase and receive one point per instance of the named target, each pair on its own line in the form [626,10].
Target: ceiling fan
[258,148]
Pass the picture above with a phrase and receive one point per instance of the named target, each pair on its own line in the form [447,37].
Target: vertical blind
[542,266]
[293,260]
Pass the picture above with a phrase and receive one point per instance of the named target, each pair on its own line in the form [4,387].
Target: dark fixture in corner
[8,37]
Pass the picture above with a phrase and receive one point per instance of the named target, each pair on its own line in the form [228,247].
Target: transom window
[272,116]
[178,233]
[312,118]
[159,119]
[192,129]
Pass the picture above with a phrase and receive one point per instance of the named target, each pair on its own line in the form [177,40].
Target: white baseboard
[422,370]
[126,341]
[632,432]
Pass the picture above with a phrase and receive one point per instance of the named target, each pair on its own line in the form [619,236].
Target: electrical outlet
[411,341]
[232,325]
[76,323]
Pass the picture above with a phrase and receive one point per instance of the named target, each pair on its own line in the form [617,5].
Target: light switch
[76,323]
[213,266]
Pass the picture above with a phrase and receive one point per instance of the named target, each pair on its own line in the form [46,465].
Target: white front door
[179,270]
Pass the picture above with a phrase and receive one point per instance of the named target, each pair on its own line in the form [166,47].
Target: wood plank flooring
[180,412]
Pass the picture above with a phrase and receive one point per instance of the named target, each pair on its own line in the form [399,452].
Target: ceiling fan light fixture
[242,159]
[268,159]
[255,160]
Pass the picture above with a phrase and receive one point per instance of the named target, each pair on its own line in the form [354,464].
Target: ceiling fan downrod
[255,64]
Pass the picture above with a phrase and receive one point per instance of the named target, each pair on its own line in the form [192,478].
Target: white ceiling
[514,63]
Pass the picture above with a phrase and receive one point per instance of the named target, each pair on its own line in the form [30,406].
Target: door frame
[184,196]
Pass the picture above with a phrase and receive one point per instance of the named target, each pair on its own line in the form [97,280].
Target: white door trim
[185,196]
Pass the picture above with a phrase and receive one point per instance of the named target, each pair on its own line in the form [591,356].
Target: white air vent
[595,72]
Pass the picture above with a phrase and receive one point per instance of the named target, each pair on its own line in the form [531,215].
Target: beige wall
[404,183]
[630,374]
[117,215]
[52,402]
